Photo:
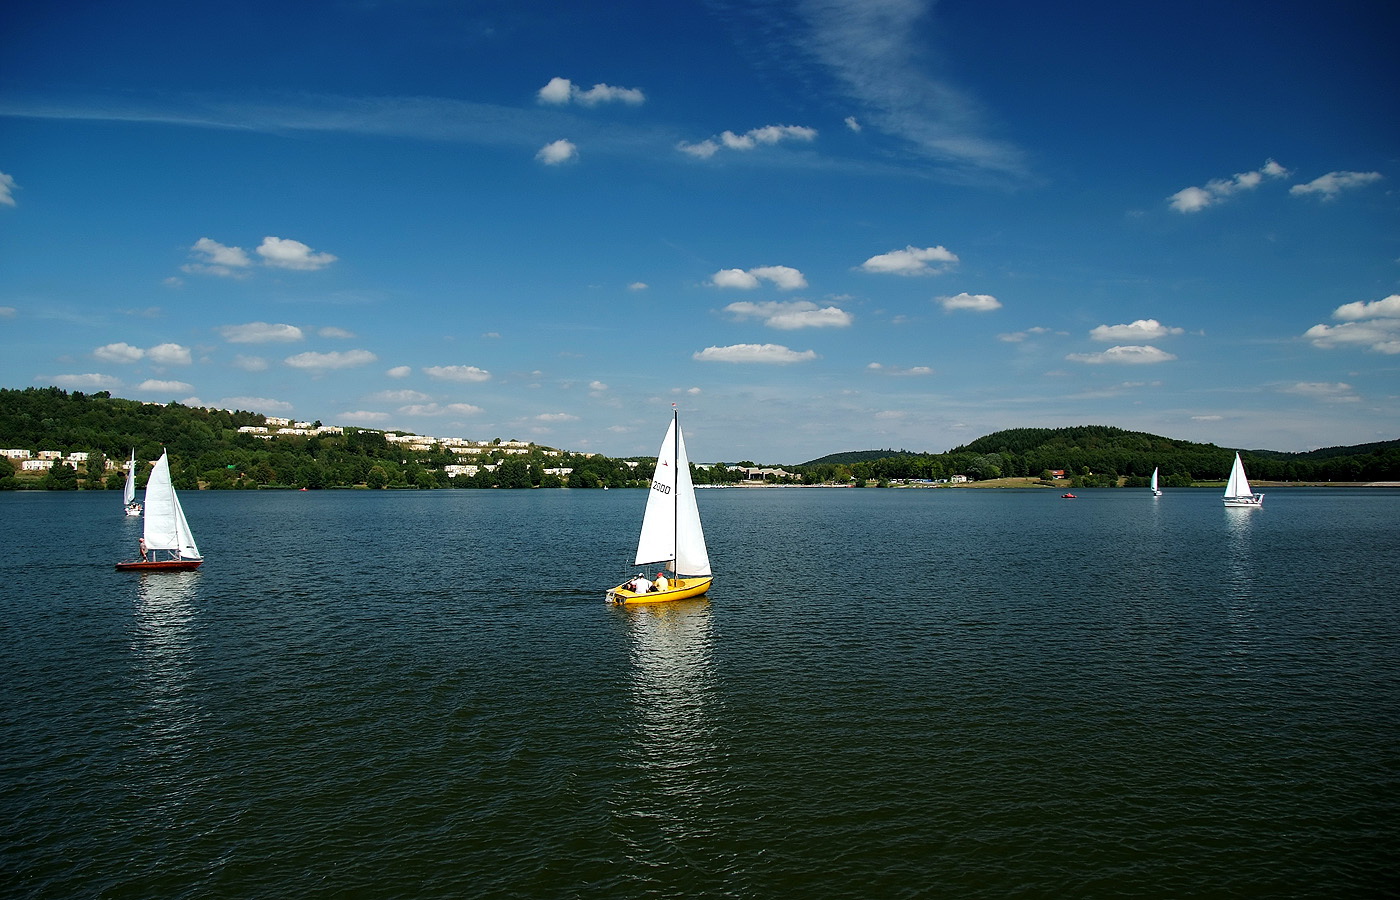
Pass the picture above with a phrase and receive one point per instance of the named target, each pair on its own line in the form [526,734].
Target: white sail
[165,526]
[1155,491]
[1238,486]
[129,492]
[671,525]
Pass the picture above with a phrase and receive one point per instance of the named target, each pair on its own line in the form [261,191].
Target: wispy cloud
[557,152]
[972,302]
[260,404]
[7,190]
[260,333]
[457,373]
[1328,186]
[1195,199]
[792,315]
[1125,355]
[785,278]
[336,359]
[561,91]
[912,261]
[754,353]
[1334,392]
[285,253]
[81,382]
[153,386]
[899,370]
[1138,330]
[768,135]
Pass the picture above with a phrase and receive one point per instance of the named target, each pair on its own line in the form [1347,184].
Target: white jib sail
[1154,480]
[671,525]
[165,525]
[129,492]
[1238,485]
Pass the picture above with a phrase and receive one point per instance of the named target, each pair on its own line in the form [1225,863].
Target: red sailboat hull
[164,565]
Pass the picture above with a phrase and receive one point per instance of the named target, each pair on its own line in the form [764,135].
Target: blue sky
[816,226]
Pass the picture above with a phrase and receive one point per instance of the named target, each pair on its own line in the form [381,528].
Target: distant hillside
[1104,452]
[855,456]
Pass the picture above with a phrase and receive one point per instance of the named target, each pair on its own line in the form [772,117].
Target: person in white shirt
[640,585]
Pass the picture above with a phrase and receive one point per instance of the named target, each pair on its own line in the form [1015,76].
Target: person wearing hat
[660,583]
[640,585]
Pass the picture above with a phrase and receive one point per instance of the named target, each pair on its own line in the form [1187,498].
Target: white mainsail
[165,526]
[129,492]
[1237,489]
[1155,491]
[671,525]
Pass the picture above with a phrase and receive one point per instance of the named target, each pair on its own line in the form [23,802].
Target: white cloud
[1207,418]
[81,382]
[1139,330]
[973,302]
[463,409]
[556,417]
[750,140]
[330,331]
[336,359]
[1336,392]
[912,261]
[899,370]
[259,333]
[754,353]
[421,409]
[1195,199]
[1374,325]
[7,312]
[256,404]
[7,190]
[404,396]
[289,254]
[1128,355]
[785,278]
[597,386]
[250,363]
[119,352]
[214,258]
[556,153]
[399,372]
[852,124]
[1330,185]
[1388,308]
[560,91]
[638,286]
[164,387]
[1015,337]
[458,373]
[792,315]
[169,355]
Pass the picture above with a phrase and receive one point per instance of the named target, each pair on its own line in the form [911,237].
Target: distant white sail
[129,492]
[671,524]
[165,525]
[1155,491]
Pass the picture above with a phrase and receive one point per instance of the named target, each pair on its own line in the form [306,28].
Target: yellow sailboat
[671,533]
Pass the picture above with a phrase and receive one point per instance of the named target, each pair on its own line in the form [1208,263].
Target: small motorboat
[1068,497]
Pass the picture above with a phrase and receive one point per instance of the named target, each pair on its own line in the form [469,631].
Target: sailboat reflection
[162,641]
[1239,574]
[673,698]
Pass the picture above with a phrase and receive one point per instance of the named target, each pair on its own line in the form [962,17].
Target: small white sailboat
[671,533]
[129,501]
[166,530]
[1237,489]
[1156,492]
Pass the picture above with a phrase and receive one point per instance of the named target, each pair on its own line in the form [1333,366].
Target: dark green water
[890,693]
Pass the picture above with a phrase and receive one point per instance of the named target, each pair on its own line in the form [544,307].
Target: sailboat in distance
[1237,489]
[1156,492]
[671,533]
[166,530]
[129,501]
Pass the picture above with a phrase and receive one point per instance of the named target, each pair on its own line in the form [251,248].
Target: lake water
[890,693]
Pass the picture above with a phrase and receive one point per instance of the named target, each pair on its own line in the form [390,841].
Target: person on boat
[141,545]
[660,583]
[640,584]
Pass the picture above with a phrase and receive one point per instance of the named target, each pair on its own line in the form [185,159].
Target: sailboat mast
[676,491]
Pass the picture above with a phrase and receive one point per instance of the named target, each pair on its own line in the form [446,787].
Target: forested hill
[1107,453]
[856,456]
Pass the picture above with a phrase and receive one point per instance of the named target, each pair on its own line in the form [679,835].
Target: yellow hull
[681,589]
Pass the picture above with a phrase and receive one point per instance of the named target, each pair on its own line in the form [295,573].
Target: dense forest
[207,450]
